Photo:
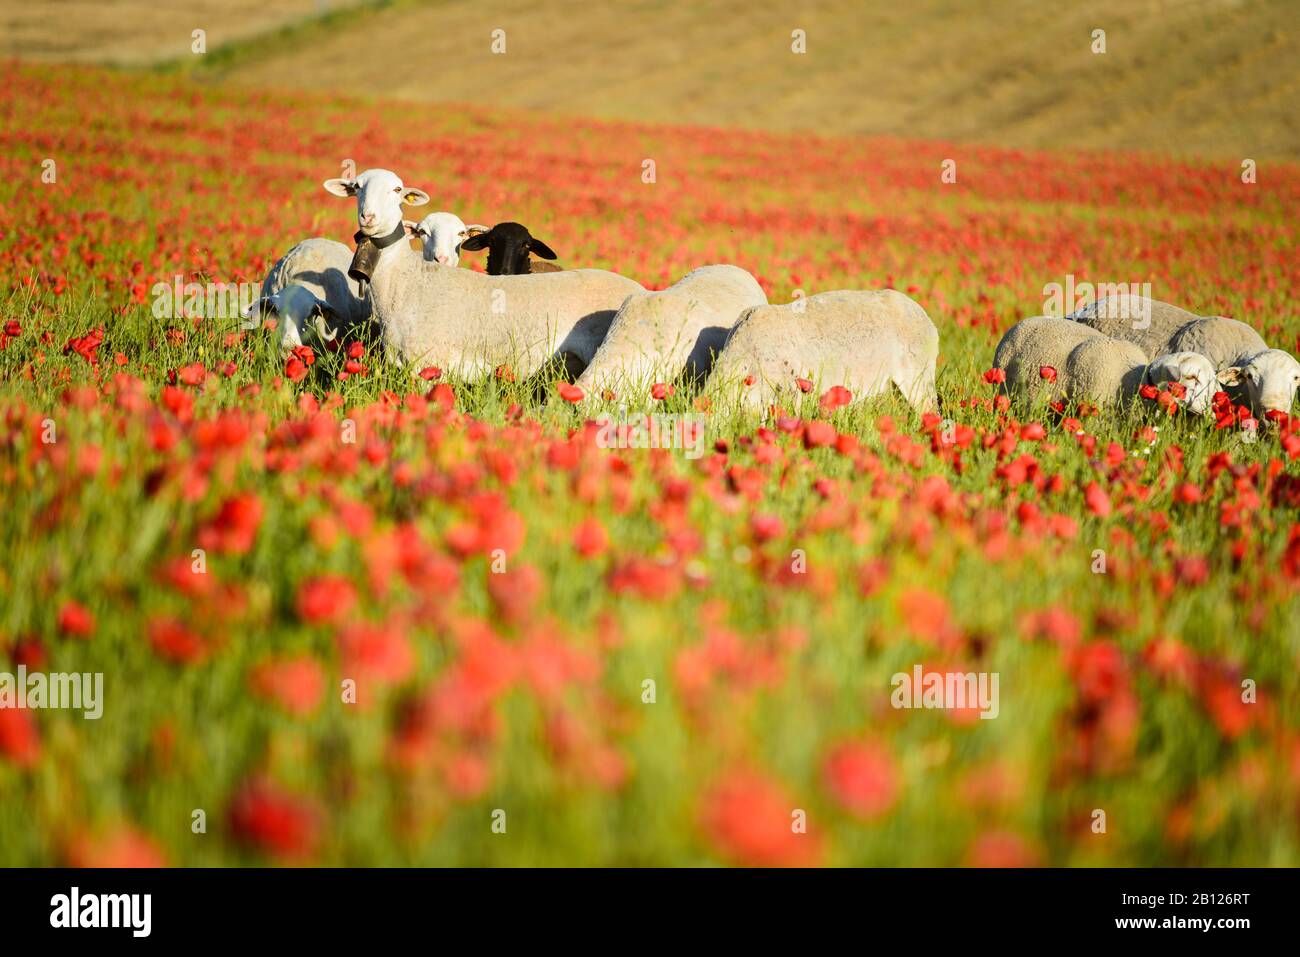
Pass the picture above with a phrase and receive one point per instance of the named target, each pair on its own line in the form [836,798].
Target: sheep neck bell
[366,258]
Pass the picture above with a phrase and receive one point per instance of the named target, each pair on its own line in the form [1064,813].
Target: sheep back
[674,331]
[858,339]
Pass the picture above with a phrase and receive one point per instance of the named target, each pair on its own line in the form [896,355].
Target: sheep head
[508,246]
[379,194]
[1268,380]
[442,234]
[1194,372]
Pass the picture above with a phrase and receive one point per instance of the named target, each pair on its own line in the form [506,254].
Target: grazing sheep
[320,268]
[1266,382]
[508,246]
[1148,322]
[860,340]
[460,319]
[673,331]
[441,235]
[1250,372]
[1103,371]
[1193,371]
[1223,341]
[1093,367]
[1034,344]
[1107,371]
[297,310]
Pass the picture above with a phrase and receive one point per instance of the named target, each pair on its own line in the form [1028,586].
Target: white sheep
[1032,346]
[1193,371]
[1103,371]
[319,268]
[1250,372]
[1108,371]
[431,313]
[673,332]
[860,340]
[1089,366]
[1148,322]
[1266,382]
[441,235]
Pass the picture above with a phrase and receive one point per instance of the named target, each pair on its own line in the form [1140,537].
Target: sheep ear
[539,248]
[474,229]
[479,241]
[415,197]
[1233,375]
[413,229]
[340,187]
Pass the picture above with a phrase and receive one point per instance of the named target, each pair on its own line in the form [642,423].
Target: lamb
[860,340]
[675,331]
[442,235]
[1108,371]
[1104,371]
[1193,371]
[1148,322]
[1035,344]
[508,246]
[319,268]
[428,312]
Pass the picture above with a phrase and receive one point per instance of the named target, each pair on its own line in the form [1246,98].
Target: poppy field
[349,615]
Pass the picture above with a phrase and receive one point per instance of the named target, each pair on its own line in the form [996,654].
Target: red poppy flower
[266,818]
[1098,502]
[378,653]
[862,777]
[75,621]
[120,846]
[817,434]
[753,822]
[295,684]
[835,397]
[234,528]
[173,641]
[20,742]
[326,598]
[590,538]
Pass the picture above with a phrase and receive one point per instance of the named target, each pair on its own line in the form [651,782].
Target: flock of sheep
[1107,351]
[614,335]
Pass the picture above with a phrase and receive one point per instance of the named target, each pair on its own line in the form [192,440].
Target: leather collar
[366,257]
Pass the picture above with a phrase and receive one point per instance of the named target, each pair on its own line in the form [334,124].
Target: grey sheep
[1148,322]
